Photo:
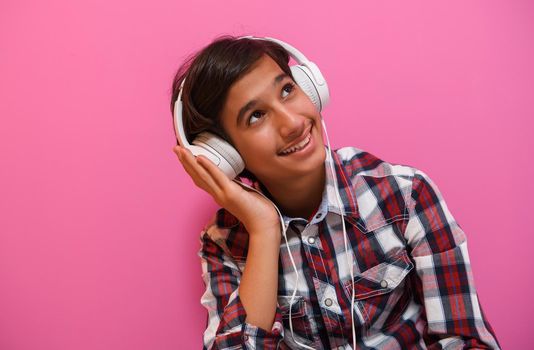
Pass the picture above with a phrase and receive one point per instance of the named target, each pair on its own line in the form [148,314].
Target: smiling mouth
[298,146]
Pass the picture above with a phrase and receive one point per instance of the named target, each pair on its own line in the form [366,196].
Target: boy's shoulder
[381,191]
[360,163]
[228,233]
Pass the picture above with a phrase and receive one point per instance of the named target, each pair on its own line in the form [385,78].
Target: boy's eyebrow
[250,104]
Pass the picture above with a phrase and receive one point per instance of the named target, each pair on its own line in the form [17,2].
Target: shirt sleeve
[444,284]
[226,327]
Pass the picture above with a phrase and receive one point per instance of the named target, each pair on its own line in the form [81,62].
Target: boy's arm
[445,286]
[242,307]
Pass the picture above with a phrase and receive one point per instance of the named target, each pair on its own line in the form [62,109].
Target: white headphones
[307,76]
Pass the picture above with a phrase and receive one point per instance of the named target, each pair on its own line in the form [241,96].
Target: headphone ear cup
[304,80]
[231,162]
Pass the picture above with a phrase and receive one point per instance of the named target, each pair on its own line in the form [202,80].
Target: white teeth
[298,146]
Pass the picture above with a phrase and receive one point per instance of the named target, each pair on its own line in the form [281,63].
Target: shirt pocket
[302,329]
[382,292]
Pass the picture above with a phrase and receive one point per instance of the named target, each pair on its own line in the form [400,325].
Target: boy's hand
[253,210]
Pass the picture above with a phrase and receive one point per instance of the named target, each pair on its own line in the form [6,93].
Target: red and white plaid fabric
[414,287]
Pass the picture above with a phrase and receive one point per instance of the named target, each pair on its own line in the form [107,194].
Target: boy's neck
[300,197]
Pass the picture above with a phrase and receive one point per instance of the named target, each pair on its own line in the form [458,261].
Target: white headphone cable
[342,212]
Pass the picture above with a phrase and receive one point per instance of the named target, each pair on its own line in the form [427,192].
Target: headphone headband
[297,56]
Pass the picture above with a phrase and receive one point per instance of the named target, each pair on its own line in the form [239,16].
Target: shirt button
[245,337]
[384,284]
[311,240]
[328,302]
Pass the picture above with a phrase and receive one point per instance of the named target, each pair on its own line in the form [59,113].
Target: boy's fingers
[199,174]
[192,172]
[187,162]
[207,165]
[215,189]
[178,151]
[217,174]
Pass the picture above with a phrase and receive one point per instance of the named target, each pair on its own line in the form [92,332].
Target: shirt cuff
[234,330]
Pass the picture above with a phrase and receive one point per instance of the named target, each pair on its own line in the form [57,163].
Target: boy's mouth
[299,144]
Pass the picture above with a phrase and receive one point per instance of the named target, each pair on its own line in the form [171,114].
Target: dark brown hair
[211,72]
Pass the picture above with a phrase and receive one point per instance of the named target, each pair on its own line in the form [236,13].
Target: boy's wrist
[265,232]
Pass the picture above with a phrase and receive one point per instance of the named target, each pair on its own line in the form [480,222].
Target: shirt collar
[344,187]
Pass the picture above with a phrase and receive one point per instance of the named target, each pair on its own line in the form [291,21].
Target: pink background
[99,223]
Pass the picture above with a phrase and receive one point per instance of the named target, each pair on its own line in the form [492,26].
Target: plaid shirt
[413,283]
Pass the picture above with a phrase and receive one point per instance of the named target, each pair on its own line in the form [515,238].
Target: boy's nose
[291,124]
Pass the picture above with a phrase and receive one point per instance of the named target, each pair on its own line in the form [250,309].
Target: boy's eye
[256,115]
[291,86]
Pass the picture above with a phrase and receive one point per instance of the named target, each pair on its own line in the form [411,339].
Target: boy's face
[282,118]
